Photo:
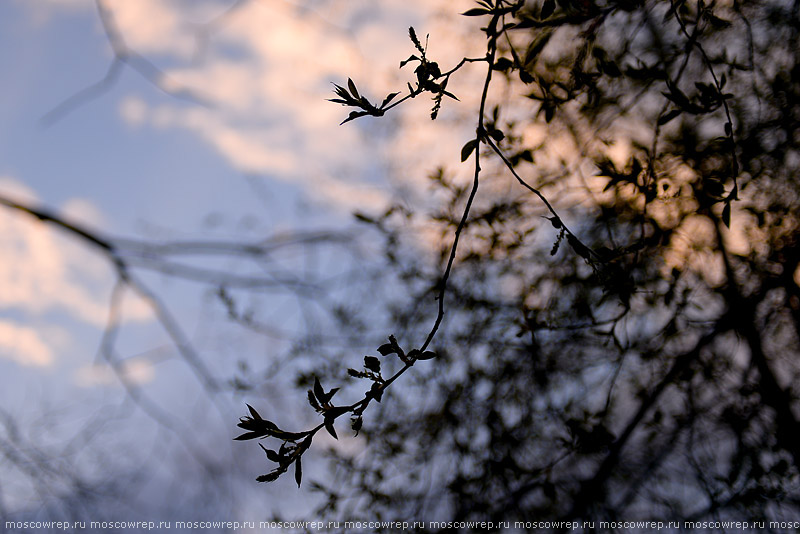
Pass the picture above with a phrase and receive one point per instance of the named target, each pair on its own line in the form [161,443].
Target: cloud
[268,69]
[23,345]
[135,371]
[81,210]
[144,25]
[52,271]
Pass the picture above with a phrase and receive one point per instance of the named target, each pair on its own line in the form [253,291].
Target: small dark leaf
[713,187]
[427,355]
[329,427]
[313,402]
[288,436]
[579,248]
[726,215]
[272,455]
[354,115]
[318,391]
[410,59]
[372,363]
[386,349]
[414,39]
[366,105]
[716,22]
[645,73]
[503,64]
[680,99]
[549,110]
[547,8]
[352,372]
[414,354]
[534,48]
[476,12]
[329,395]
[388,99]
[606,254]
[468,148]
[336,411]
[342,92]
[375,392]
[396,347]
[611,68]
[599,53]
[352,87]
[254,413]
[269,477]
[298,471]
[728,129]
[664,119]
[636,169]
[556,245]
[262,425]
[356,424]
[249,435]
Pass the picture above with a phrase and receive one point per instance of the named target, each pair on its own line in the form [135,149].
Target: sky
[216,128]
[254,145]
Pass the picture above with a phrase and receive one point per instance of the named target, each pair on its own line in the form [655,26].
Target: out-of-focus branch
[171,424]
[123,56]
[127,256]
[93,238]
[593,487]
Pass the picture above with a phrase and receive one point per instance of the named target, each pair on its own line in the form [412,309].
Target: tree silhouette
[605,327]
[617,334]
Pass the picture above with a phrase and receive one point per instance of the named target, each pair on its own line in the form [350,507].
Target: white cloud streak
[268,69]
[23,345]
[46,272]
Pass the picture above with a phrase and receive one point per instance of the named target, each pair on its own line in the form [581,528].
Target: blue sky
[263,155]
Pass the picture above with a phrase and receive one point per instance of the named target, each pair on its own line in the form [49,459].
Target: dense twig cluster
[431,79]
[675,396]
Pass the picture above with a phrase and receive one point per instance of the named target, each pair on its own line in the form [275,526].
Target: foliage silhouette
[646,369]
